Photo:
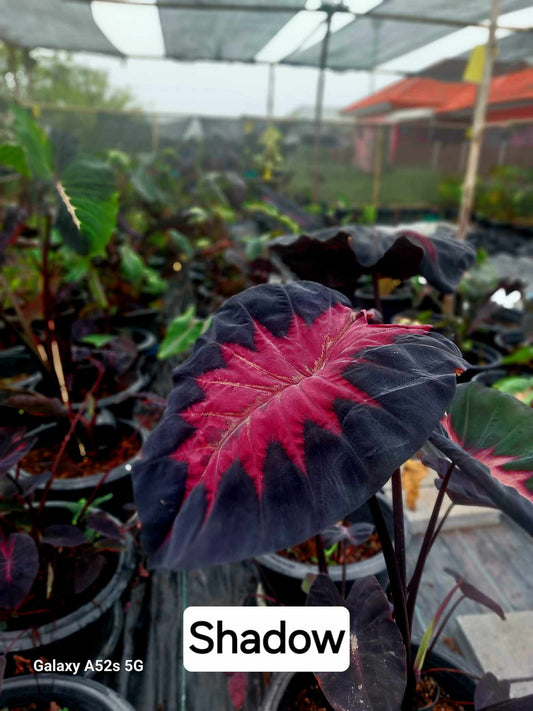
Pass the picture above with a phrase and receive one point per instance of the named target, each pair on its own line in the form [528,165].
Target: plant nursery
[266,355]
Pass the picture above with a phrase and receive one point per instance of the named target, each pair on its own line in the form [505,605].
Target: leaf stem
[414,584]
[321,555]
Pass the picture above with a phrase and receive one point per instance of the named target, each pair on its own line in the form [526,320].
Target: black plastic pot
[117,483]
[284,688]
[509,340]
[17,361]
[282,578]
[400,300]
[69,692]
[83,634]
[480,357]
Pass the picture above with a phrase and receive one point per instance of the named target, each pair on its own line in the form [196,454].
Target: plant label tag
[228,639]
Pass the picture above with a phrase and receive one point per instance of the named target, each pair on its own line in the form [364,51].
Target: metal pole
[478,124]
[319,105]
[271,91]
[378,164]
[12,65]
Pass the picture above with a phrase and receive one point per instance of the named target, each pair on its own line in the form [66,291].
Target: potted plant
[53,691]
[63,569]
[325,407]
[351,550]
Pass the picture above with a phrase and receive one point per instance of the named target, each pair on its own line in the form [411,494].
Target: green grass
[400,186]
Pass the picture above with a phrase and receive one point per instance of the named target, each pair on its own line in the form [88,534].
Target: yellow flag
[474,68]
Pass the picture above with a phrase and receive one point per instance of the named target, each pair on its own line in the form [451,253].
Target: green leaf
[132,265]
[516,384]
[34,142]
[497,430]
[13,156]
[98,340]
[89,208]
[182,332]
[522,356]
[182,242]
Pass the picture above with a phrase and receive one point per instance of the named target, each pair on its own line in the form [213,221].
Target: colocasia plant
[293,411]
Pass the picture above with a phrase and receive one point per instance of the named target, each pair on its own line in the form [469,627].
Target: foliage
[506,195]
[337,257]
[181,333]
[354,380]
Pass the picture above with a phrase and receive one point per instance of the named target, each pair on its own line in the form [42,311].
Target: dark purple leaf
[290,413]
[237,689]
[523,704]
[64,535]
[338,256]
[13,446]
[376,677]
[490,691]
[472,593]
[19,563]
[355,533]
[87,570]
[24,485]
[105,526]
[34,404]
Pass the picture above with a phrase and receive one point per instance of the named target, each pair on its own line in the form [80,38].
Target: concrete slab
[460,516]
[503,647]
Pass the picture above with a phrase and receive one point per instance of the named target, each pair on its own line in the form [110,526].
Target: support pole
[271,91]
[478,124]
[378,164]
[319,106]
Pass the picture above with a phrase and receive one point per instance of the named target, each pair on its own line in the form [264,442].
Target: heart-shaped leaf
[64,536]
[19,563]
[490,691]
[472,593]
[89,206]
[86,571]
[104,525]
[488,435]
[291,412]
[13,446]
[376,677]
[471,482]
[338,256]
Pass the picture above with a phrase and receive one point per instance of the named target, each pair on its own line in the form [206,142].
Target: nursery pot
[282,578]
[400,300]
[17,365]
[480,357]
[73,693]
[285,688]
[85,633]
[117,482]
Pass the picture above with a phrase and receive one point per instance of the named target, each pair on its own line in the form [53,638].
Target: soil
[41,459]
[306,552]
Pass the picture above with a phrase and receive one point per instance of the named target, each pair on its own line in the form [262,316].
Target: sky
[161,85]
